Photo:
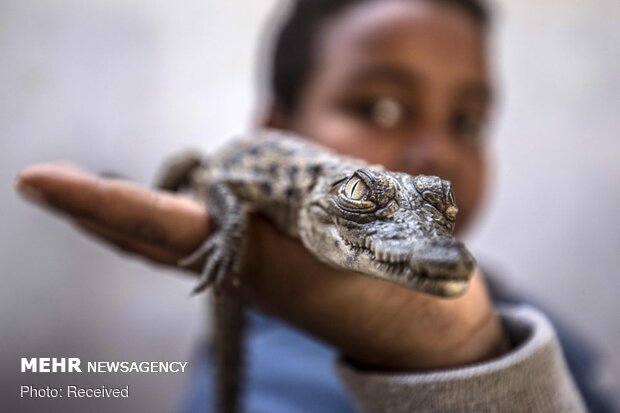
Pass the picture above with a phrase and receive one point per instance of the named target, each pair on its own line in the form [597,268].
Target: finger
[132,246]
[129,245]
[123,208]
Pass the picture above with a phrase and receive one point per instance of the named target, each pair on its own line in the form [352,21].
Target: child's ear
[275,117]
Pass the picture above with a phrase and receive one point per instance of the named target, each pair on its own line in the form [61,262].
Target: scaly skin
[348,214]
[388,225]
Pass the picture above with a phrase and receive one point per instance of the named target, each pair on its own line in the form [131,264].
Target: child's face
[403,84]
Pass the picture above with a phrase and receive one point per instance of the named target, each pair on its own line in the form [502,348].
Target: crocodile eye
[355,189]
[355,195]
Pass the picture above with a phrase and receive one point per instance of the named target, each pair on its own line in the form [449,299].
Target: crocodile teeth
[395,269]
[391,257]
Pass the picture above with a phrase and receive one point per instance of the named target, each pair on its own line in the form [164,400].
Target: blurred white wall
[552,222]
[110,85]
[117,85]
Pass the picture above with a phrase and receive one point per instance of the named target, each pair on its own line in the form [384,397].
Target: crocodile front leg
[223,249]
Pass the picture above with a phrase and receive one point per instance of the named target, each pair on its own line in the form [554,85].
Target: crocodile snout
[442,258]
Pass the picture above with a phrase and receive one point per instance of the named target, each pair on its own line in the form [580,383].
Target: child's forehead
[378,23]
[419,39]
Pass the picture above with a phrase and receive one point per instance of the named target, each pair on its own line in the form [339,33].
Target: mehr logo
[51,365]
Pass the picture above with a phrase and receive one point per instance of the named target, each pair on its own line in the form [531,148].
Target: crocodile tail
[230,321]
[177,171]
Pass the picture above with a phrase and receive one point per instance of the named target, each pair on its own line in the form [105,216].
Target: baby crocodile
[349,214]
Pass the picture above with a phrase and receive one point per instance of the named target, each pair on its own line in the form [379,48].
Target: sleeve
[532,377]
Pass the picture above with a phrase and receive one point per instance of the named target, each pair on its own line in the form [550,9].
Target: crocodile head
[389,225]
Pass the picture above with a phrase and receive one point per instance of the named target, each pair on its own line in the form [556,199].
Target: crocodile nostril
[451,212]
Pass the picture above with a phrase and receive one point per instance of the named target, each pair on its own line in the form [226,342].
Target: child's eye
[468,126]
[385,113]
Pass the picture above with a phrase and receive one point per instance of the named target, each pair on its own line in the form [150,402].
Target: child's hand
[374,323]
